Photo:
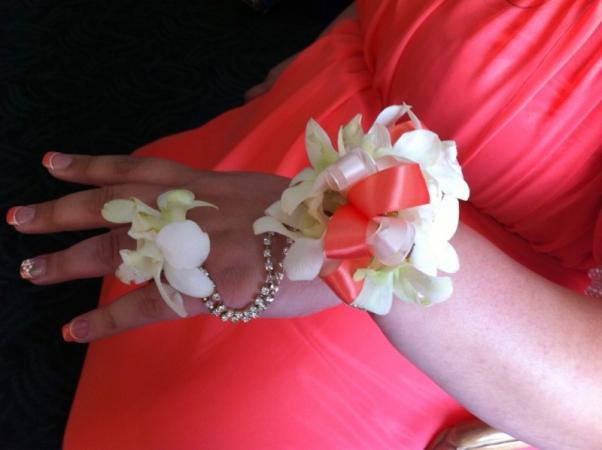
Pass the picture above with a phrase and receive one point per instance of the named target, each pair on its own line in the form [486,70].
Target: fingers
[117,169]
[91,258]
[140,307]
[77,211]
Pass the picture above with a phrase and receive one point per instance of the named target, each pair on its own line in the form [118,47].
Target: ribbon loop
[339,277]
[347,171]
[346,234]
[390,190]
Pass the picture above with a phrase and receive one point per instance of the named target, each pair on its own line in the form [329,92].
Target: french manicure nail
[56,160]
[79,328]
[66,334]
[33,268]
[19,215]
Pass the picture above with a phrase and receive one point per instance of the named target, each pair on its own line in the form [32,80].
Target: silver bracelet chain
[265,296]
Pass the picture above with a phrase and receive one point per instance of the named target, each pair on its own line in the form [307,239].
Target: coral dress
[517,85]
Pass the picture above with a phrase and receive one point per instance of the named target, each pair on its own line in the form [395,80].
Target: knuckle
[108,320]
[87,165]
[117,166]
[151,307]
[106,251]
[100,197]
[49,212]
[126,166]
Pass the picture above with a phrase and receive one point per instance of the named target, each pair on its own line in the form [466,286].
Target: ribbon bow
[364,228]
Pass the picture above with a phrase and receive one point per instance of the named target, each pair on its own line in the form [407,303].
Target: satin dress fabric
[517,85]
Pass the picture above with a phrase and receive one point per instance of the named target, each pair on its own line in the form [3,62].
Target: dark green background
[103,77]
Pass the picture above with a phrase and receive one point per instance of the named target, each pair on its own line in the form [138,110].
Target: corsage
[166,243]
[373,220]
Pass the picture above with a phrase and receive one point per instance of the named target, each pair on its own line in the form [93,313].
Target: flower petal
[376,294]
[149,249]
[432,289]
[136,267]
[183,244]
[378,137]
[295,195]
[403,289]
[170,296]
[448,260]
[350,135]
[391,241]
[446,220]
[392,114]
[145,226]
[449,179]
[413,286]
[192,282]
[424,253]
[301,219]
[306,174]
[175,196]
[143,208]
[119,211]
[268,224]
[421,146]
[319,148]
[304,259]
[175,203]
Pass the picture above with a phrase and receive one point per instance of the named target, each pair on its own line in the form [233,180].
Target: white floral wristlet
[374,218]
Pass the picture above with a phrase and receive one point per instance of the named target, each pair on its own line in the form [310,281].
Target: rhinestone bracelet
[265,296]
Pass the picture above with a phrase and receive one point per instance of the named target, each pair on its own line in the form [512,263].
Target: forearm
[520,352]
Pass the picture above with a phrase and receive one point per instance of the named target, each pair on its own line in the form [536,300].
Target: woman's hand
[235,262]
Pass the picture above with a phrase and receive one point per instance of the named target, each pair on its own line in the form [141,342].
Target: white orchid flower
[437,159]
[377,291]
[405,282]
[165,243]
[412,285]
[434,226]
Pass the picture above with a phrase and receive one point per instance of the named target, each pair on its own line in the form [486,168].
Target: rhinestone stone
[264,297]
[218,310]
[226,316]
[260,303]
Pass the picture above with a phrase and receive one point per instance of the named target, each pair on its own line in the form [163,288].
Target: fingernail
[19,215]
[77,329]
[66,334]
[33,268]
[56,160]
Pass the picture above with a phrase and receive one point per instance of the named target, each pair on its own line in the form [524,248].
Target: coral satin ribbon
[392,189]
[339,277]
[345,241]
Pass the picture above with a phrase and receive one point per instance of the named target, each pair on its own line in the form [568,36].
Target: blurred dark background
[102,77]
